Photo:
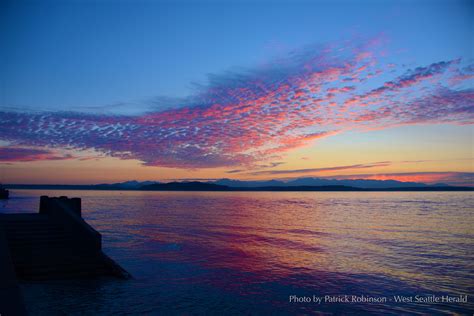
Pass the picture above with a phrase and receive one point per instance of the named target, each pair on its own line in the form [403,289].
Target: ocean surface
[234,253]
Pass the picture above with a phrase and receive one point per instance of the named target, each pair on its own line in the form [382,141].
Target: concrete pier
[55,243]
[11,301]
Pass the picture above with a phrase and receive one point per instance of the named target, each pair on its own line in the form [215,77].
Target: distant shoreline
[206,187]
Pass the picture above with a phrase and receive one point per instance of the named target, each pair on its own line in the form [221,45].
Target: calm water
[247,253]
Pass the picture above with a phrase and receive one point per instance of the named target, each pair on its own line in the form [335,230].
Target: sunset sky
[102,91]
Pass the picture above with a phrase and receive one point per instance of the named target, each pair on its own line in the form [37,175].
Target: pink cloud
[19,154]
[244,118]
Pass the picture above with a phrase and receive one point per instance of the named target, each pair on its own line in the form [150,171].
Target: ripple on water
[242,252]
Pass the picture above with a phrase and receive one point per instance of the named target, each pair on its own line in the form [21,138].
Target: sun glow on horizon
[375,106]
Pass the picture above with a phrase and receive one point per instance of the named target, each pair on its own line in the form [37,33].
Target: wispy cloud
[258,167]
[320,170]
[235,171]
[251,117]
[19,154]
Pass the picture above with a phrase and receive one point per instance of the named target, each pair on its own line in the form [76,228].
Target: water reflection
[237,252]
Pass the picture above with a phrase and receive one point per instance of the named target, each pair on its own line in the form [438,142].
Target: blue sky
[117,56]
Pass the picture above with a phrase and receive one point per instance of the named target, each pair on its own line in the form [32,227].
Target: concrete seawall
[68,213]
[55,243]
[11,300]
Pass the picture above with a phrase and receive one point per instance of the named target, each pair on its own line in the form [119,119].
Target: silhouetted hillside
[185,186]
[202,186]
[209,186]
[319,182]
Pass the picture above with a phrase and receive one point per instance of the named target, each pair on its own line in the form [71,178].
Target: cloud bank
[15,154]
[249,117]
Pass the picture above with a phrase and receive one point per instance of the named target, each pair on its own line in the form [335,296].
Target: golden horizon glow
[410,162]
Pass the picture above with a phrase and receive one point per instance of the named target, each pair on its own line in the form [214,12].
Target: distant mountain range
[358,183]
[300,184]
[128,185]
[203,186]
